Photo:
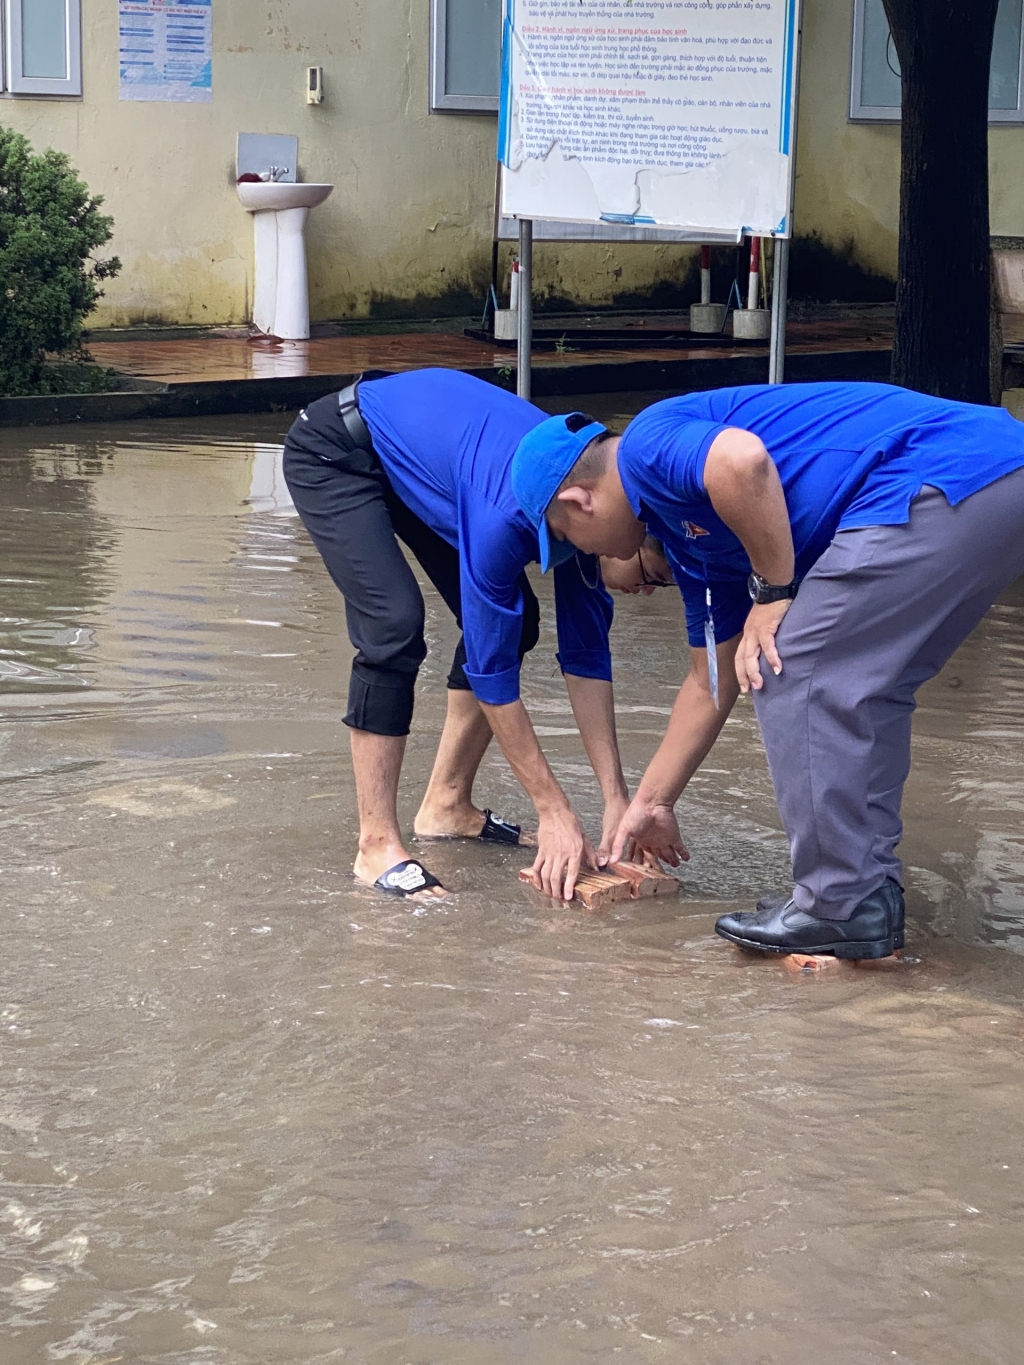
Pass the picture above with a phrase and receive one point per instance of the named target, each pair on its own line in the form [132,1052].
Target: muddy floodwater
[250,1113]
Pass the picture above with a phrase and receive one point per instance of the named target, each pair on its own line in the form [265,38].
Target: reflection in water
[53,568]
[250,1113]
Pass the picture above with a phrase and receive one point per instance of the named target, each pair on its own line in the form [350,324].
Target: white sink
[263,196]
[279,211]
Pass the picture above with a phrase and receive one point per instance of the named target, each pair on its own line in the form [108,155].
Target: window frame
[441,102]
[13,82]
[886,113]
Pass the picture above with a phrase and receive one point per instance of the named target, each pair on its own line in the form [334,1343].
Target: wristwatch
[763,592]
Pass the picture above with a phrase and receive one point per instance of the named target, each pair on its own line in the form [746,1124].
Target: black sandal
[495,831]
[406,879]
[498,831]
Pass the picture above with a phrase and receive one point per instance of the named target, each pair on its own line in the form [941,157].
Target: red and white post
[753,323]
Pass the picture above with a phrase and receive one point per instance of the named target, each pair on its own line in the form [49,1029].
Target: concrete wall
[848,173]
[408,226]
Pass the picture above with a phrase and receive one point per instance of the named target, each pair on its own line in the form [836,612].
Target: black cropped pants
[353,515]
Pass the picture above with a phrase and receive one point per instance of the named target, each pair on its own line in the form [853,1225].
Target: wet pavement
[213,359]
[251,1113]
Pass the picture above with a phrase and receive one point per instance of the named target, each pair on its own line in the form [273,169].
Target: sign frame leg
[780,307]
[524,347]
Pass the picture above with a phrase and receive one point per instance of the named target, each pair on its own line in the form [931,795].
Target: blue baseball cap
[543,458]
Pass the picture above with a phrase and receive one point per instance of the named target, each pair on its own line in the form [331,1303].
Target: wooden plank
[822,962]
[595,890]
[598,889]
[646,881]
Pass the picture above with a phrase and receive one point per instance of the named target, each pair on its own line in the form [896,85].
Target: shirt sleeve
[493,553]
[671,459]
[730,603]
[583,614]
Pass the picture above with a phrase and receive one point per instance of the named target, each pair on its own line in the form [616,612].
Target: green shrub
[49,227]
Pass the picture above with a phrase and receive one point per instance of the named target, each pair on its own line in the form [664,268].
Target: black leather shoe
[870,932]
[775,900]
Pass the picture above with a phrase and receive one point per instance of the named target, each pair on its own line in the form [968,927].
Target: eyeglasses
[650,582]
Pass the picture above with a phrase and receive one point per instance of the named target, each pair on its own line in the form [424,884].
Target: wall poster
[166,50]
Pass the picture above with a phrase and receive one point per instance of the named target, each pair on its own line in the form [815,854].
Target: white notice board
[659,113]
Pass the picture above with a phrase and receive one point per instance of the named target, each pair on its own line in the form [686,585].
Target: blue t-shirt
[848,455]
[447,441]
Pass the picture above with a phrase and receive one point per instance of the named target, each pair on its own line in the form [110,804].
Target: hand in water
[653,829]
[614,810]
[562,847]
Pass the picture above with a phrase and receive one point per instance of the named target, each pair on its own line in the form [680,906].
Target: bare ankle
[378,853]
[446,800]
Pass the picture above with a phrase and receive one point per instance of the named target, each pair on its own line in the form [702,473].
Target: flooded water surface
[251,1113]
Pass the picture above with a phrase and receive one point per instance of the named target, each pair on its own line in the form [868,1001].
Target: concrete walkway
[231,373]
[213,360]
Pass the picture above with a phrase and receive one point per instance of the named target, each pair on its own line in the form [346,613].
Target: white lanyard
[712,649]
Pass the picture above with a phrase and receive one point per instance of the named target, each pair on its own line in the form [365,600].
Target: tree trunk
[943,293]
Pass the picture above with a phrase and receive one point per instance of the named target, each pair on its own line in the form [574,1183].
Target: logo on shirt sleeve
[693,530]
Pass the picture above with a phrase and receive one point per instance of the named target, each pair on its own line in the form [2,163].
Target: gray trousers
[878,615]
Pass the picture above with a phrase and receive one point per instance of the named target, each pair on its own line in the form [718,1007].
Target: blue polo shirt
[447,441]
[848,455]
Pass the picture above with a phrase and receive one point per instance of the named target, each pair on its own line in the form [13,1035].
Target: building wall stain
[407,231]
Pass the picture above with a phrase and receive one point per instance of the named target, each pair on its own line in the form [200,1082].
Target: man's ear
[581,498]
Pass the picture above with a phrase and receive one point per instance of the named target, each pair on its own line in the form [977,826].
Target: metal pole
[495,240]
[525,347]
[780,299]
[780,274]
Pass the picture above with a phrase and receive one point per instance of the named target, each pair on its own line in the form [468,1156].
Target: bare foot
[457,822]
[448,822]
[373,862]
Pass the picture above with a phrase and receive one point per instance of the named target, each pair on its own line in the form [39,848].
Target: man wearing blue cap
[834,544]
[426,456]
